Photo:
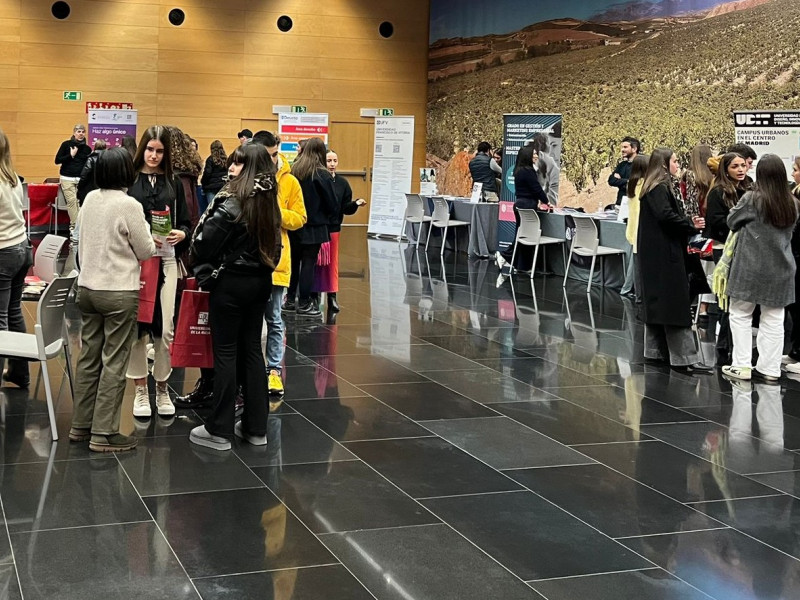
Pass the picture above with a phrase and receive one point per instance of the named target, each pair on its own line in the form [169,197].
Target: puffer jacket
[220,236]
[293,217]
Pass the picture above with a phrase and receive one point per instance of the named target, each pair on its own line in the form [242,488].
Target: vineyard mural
[669,72]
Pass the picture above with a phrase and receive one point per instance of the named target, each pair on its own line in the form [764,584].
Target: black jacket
[87,184]
[164,194]
[481,172]
[72,167]
[717,214]
[623,169]
[220,238]
[663,235]
[322,208]
[344,194]
[214,176]
[527,186]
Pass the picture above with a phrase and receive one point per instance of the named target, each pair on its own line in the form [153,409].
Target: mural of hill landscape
[669,72]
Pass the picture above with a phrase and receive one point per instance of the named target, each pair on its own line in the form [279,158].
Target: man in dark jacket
[72,155]
[619,178]
[483,169]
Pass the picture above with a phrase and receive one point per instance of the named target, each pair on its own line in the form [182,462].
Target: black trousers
[236,314]
[304,259]
[724,339]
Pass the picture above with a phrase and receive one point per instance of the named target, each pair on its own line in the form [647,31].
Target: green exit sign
[386,112]
[299,108]
[73,95]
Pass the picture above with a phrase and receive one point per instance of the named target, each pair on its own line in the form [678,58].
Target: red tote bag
[192,344]
[148,285]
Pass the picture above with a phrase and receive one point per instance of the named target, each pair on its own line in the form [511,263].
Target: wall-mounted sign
[299,108]
[73,95]
[386,112]
[108,106]
[770,132]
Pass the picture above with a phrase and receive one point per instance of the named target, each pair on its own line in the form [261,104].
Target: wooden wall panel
[220,71]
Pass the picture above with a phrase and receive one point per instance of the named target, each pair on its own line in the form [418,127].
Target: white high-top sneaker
[164,404]
[141,402]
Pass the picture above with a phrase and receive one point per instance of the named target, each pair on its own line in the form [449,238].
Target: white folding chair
[586,243]
[60,204]
[415,213]
[26,207]
[441,219]
[529,233]
[47,341]
[45,261]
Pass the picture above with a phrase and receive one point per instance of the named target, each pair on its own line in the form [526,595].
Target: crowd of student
[251,237]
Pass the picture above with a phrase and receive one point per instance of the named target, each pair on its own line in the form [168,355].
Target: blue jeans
[275,329]
[206,200]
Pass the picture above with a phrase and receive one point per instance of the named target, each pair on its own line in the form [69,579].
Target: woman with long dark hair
[157,189]
[322,207]
[695,185]
[236,247]
[187,166]
[214,174]
[16,257]
[528,192]
[664,231]
[762,271]
[729,185]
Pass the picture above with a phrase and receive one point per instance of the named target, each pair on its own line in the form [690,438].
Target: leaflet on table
[161,225]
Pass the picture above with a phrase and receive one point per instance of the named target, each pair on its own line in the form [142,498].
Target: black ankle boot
[333,304]
[201,395]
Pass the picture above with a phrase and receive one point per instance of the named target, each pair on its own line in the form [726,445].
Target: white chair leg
[444,241]
[513,256]
[566,267]
[428,241]
[591,275]
[49,394]
[535,256]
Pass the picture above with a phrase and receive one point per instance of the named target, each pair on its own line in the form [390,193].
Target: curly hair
[185,159]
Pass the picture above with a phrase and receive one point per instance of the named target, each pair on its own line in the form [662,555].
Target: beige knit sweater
[114,237]
[12,221]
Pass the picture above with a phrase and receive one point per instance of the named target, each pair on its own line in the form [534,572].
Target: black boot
[17,373]
[202,395]
[333,304]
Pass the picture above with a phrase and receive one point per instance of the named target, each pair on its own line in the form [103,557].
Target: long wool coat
[663,235]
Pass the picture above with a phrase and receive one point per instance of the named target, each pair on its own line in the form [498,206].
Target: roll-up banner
[110,125]
[294,127]
[518,131]
[769,132]
[392,173]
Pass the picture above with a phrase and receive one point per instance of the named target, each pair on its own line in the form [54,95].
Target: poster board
[293,127]
[110,125]
[392,173]
[769,132]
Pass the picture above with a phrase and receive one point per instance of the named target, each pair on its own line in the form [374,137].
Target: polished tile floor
[442,438]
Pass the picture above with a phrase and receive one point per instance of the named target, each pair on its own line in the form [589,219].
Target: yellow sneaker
[275,383]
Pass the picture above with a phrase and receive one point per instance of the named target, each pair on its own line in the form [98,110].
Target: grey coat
[763,267]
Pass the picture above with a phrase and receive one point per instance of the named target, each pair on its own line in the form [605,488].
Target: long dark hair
[257,192]
[311,160]
[657,170]
[772,197]
[161,134]
[524,159]
[729,187]
[638,171]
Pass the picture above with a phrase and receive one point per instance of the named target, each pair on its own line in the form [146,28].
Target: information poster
[293,127]
[427,182]
[110,125]
[770,133]
[392,173]
[518,131]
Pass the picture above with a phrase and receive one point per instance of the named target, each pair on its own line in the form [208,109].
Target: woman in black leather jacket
[236,246]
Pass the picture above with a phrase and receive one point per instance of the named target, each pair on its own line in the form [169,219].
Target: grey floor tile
[652,584]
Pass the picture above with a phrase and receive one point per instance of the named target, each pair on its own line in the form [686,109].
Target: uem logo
[754,119]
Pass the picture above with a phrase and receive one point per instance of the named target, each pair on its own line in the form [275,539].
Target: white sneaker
[787,360]
[164,405]
[792,368]
[501,262]
[200,436]
[743,373]
[255,440]
[141,402]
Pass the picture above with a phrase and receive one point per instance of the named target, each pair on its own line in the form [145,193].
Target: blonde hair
[7,173]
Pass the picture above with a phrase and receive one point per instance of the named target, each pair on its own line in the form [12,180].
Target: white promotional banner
[110,125]
[294,127]
[770,132]
[392,173]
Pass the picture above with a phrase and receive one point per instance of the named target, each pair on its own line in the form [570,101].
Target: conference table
[479,239]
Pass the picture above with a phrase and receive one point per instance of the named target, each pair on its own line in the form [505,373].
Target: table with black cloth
[481,237]
[608,271]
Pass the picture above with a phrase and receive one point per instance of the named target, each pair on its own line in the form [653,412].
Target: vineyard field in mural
[668,81]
